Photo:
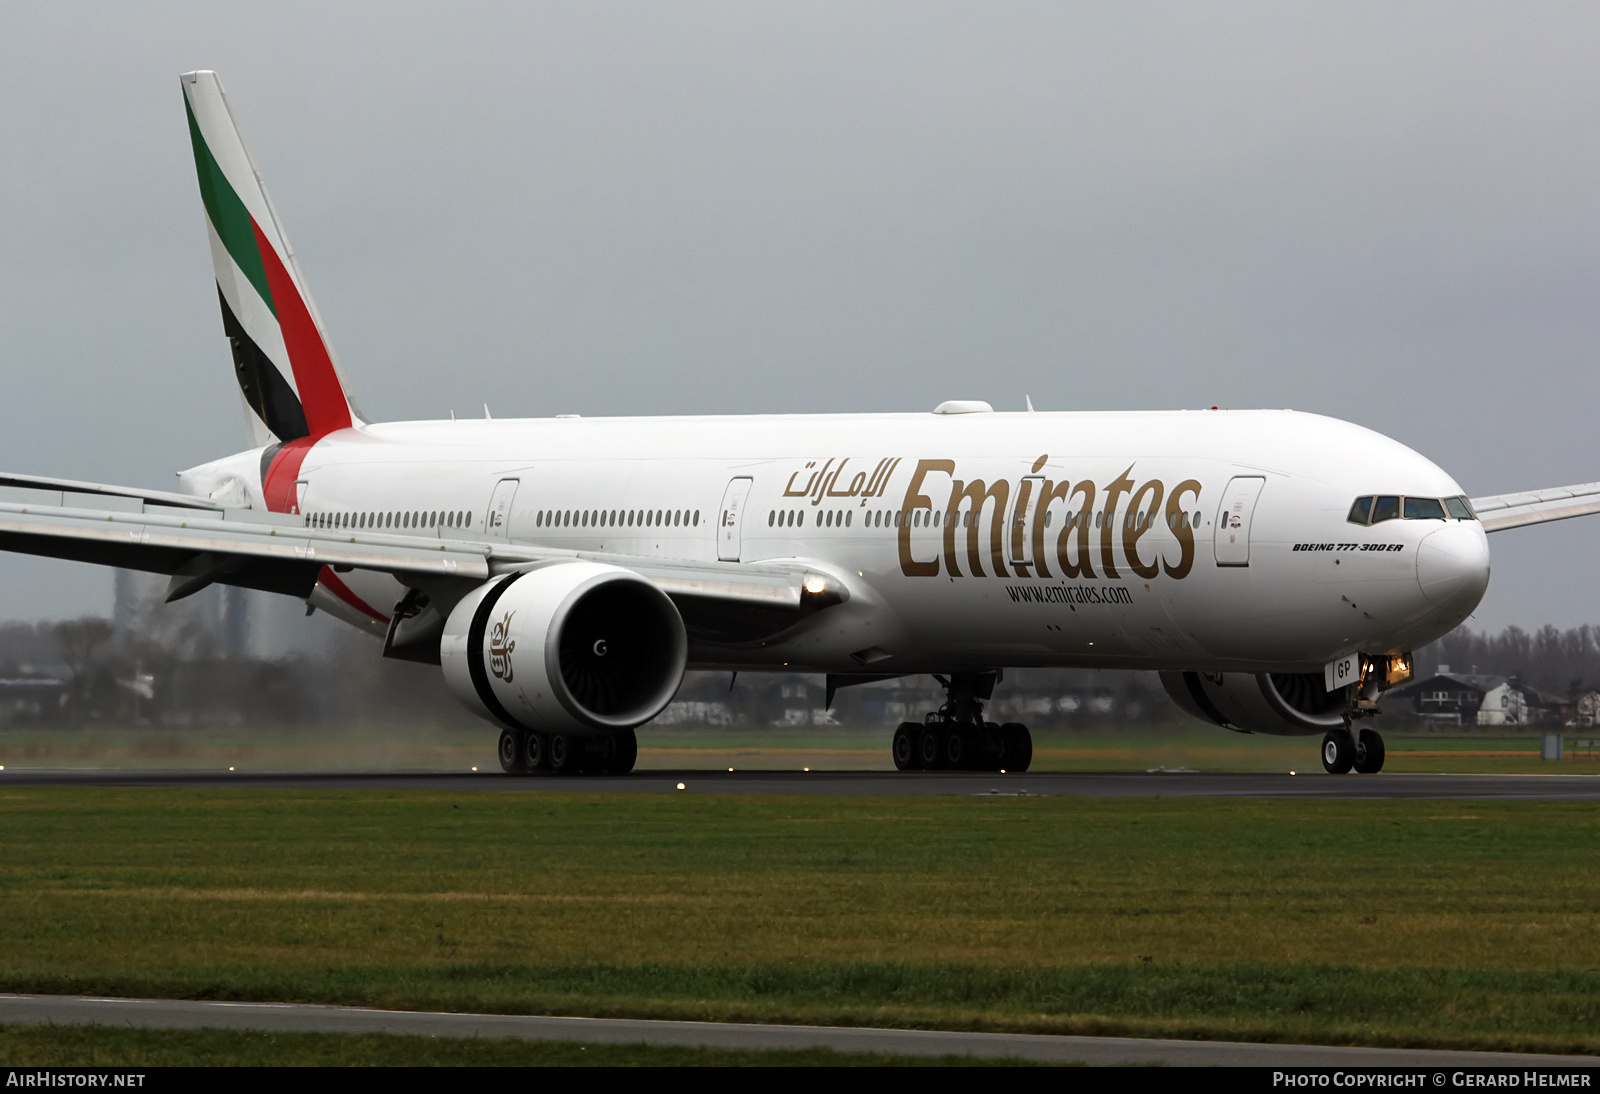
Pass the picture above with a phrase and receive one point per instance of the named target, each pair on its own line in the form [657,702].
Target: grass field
[1132,748]
[1470,924]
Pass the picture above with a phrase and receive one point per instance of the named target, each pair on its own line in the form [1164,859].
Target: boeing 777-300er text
[1275,568]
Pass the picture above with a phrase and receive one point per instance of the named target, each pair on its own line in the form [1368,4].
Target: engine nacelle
[1285,704]
[570,647]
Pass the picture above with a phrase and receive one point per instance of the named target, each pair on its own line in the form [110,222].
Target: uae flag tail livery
[289,379]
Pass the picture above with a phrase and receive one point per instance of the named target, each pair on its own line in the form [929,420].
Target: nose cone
[1453,565]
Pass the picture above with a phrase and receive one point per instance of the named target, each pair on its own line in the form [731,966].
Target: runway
[301,1017]
[1040,784]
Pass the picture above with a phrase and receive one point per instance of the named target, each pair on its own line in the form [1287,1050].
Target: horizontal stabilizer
[40,491]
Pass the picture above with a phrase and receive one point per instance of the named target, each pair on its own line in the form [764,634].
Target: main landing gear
[1344,751]
[529,752]
[956,738]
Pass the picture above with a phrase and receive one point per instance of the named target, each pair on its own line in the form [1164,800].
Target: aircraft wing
[1504,511]
[200,542]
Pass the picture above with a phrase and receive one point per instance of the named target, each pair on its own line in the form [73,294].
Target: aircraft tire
[564,754]
[930,748]
[1338,752]
[990,754]
[904,747]
[595,754]
[625,754]
[1018,744]
[1369,752]
[513,759]
[961,749]
[535,753]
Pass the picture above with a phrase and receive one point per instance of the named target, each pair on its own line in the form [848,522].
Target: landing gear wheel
[625,752]
[960,749]
[991,754]
[535,753]
[1338,752]
[597,753]
[904,747]
[1018,754]
[564,754]
[512,758]
[1369,752]
[955,736]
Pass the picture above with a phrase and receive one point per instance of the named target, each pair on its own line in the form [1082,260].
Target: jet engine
[567,647]
[1284,704]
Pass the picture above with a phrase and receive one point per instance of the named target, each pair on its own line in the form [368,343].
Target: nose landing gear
[1344,751]
[956,738]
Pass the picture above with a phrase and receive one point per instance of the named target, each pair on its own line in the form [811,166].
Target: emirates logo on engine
[500,647]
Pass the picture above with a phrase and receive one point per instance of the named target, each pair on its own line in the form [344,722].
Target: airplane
[1275,568]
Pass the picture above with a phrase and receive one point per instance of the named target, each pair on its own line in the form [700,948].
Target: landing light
[680,786]
[816,584]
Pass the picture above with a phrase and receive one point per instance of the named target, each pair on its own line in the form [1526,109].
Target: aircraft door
[301,488]
[1231,539]
[729,519]
[1019,525]
[497,522]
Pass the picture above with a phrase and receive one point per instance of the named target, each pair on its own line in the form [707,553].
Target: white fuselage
[1195,540]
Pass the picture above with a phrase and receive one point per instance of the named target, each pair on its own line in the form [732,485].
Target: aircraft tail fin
[287,372]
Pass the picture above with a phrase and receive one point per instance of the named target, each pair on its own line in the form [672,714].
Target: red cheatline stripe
[321,393]
[280,496]
[277,486]
[330,581]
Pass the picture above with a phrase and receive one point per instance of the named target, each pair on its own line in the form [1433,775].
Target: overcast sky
[1384,212]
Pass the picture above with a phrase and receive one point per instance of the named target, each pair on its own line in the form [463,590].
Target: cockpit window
[1373,510]
[1424,509]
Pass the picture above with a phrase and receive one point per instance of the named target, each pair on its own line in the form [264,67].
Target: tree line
[1561,662]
